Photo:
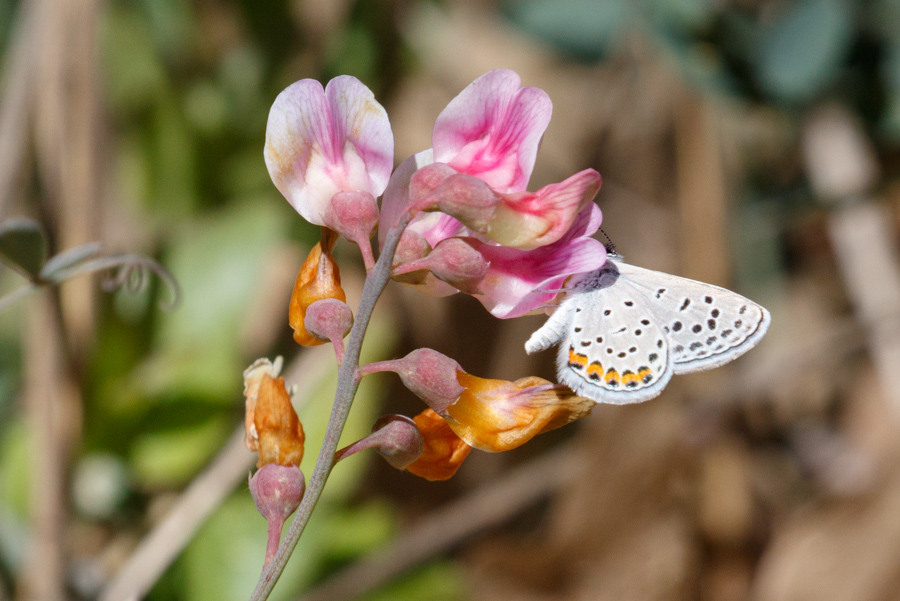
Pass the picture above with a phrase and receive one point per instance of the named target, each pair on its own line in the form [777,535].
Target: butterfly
[623,331]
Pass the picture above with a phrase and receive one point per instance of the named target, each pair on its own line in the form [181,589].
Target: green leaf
[56,268]
[171,457]
[22,245]
[801,52]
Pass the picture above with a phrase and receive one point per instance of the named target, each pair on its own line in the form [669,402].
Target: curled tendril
[131,274]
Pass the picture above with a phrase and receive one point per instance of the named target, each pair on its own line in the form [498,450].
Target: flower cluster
[460,218]
[475,228]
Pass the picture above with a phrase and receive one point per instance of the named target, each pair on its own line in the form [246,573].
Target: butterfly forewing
[706,326]
[614,351]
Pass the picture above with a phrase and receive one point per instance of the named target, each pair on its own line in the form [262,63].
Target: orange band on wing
[577,360]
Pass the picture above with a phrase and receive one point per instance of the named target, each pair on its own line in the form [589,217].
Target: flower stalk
[347,385]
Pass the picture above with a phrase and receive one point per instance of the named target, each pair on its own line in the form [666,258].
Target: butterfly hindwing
[613,351]
[705,325]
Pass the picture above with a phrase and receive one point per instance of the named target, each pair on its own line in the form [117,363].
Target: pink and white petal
[299,151]
[362,132]
[555,206]
[510,288]
[396,194]
[515,278]
[492,130]
[436,227]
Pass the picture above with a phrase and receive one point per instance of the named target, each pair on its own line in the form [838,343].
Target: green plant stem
[348,382]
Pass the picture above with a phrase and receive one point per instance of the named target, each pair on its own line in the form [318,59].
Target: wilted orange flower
[443,451]
[318,279]
[497,415]
[271,424]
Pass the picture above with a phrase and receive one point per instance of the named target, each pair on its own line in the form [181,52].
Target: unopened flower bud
[464,197]
[330,319]
[319,278]
[411,249]
[427,373]
[354,215]
[443,450]
[454,261]
[277,491]
[394,437]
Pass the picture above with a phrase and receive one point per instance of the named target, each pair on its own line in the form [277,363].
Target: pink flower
[485,143]
[330,152]
[472,184]
[517,280]
[492,130]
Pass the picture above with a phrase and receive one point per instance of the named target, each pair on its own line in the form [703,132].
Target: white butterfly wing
[612,350]
[706,326]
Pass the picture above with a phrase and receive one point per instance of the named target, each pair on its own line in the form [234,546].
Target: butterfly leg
[552,331]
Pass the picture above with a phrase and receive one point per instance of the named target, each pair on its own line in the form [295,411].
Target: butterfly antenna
[610,246]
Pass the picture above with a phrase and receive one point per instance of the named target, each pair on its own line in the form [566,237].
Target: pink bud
[454,261]
[394,437]
[467,198]
[431,376]
[329,319]
[354,215]
[412,247]
[277,491]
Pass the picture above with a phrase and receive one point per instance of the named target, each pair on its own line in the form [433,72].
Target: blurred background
[747,143]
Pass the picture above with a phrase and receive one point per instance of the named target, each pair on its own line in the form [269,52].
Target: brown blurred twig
[16,100]
[484,507]
[54,412]
[167,539]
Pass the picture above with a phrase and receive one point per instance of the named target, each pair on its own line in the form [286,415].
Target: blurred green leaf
[171,457]
[801,52]
[217,259]
[587,28]
[15,467]
[206,107]
[173,159]
[224,560]
[353,52]
[173,27]
[22,245]
[134,73]
[354,531]
[58,264]
[680,15]
[435,582]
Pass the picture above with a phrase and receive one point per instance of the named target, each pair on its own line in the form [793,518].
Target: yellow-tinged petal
[443,451]
[497,415]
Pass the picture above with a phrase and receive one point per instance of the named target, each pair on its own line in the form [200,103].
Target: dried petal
[319,278]
[443,451]
[279,430]
[496,415]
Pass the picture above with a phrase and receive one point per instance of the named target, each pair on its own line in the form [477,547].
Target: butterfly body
[624,331]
